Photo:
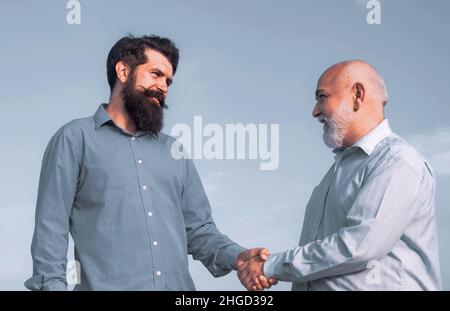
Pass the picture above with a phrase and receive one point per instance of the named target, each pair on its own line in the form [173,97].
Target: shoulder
[71,134]
[394,152]
[177,152]
[174,146]
[166,139]
[74,128]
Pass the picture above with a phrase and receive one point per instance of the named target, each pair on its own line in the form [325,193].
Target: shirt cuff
[55,285]
[231,253]
[36,283]
[273,266]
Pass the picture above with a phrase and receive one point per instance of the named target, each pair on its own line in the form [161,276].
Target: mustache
[321,119]
[156,95]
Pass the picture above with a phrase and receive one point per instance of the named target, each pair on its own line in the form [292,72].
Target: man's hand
[250,269]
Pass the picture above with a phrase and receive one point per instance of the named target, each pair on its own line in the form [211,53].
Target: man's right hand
[250,269]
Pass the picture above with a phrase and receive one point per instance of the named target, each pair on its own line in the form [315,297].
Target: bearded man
[370,223]
[134,211]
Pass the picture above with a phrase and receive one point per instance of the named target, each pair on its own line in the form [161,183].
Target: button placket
[145,192]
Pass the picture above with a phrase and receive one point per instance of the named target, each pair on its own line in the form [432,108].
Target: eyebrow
[318,91]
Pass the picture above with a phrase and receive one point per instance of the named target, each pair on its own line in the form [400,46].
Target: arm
[205,243]
[384,207]
[57,187]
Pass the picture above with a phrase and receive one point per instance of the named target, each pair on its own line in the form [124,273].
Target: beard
[335,127]
[146,114]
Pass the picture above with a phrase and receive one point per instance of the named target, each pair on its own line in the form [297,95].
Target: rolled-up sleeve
[381,212]
[205,243]
[57,187]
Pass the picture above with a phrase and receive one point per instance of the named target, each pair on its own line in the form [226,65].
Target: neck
[358,130]
[117,112]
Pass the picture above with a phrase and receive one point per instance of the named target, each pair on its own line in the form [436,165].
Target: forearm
[216,251]
[319,259]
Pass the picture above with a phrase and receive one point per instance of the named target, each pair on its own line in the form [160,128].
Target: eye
[155,74]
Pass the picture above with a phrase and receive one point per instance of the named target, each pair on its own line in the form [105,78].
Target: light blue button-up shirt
[370,223]
[134,212]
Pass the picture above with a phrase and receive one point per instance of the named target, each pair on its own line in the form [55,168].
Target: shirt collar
[366,143]
[101,116]
[371,140]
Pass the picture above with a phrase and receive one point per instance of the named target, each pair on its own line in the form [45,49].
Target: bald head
[350,100]
[345,74]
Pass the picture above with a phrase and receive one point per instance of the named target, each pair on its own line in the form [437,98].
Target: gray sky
[241,62]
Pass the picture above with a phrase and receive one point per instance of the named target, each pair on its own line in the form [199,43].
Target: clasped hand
[250,270]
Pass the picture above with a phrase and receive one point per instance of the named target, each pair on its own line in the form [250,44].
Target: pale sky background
[246,61]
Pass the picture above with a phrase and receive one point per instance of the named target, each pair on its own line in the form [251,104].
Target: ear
[358,92]
[122,71]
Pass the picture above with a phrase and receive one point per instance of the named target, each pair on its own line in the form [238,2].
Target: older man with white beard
[370,223]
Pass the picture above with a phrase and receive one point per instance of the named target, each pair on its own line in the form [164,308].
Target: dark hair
[131,50]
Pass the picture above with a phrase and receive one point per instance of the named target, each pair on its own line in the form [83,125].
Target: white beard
[336,126]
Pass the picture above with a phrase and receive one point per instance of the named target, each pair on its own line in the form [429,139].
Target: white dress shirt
[370,223]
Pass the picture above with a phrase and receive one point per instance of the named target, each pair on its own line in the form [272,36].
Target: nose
[162,86]
[316,111]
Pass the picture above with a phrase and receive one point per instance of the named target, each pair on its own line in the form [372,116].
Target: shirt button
[155,243]
[133,138]
[140,161]
[150,213]
[158,273]
[144,187]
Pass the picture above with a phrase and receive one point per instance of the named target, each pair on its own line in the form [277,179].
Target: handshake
[250,271]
